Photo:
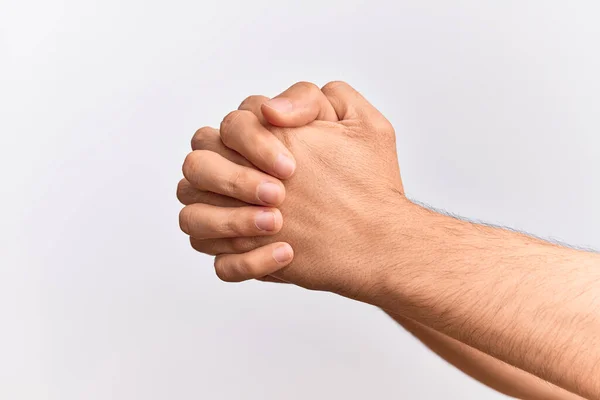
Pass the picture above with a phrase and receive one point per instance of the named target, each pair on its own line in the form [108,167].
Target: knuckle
[334,85]
[203,136]
[385,126]
[184,220]
[251,100]
[236,182]
[182,190]
[385,130]
[221,269]
[230,118]
[389,132]
[244,268]
[192,164]
[229,125]
[234,270]
[233,223]
[308,86]
[189,162]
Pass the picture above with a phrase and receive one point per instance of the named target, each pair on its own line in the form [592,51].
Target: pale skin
[517,313]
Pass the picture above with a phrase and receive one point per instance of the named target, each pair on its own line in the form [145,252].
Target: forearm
[486,369]
[529,303]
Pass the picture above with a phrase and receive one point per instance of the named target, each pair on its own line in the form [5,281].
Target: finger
[211,247]
[350,104]
[207,138]
[209,171]
[215,247]
[204,221]
[253,264]
[234,245]
[188,194]
[254,104]
[242,131]
[299,105]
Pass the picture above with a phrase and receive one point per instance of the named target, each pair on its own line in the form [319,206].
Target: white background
[497,112]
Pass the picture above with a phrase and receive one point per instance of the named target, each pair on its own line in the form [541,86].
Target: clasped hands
[303,188]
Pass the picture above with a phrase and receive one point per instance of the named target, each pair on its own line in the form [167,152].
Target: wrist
[426,252]
[401,247]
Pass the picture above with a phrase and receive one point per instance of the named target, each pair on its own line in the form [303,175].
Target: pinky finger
[254,264]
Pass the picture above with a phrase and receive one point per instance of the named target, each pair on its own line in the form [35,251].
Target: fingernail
[284,166]
[265,221]
[280,104]
[283,253]
[268,192]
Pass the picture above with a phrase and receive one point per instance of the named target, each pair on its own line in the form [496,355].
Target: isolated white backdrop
[496,107]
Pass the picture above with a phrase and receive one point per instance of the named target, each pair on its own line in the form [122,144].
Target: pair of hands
[303,188]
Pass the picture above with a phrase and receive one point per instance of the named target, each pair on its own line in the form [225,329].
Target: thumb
[299,105]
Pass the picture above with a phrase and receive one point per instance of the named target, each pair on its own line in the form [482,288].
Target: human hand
[354,233]
[339,202]
[211,199]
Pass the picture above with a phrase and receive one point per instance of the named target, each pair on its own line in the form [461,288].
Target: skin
[486,369]
[501,306]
